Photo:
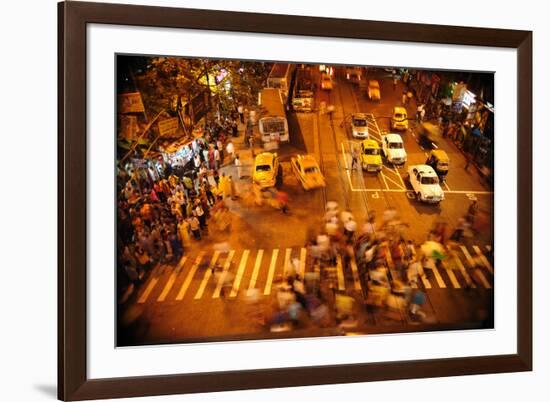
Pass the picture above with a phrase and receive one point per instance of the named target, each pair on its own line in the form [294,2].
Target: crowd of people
[390,268]
[159,217]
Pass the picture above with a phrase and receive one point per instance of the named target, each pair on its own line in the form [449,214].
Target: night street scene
[262,200]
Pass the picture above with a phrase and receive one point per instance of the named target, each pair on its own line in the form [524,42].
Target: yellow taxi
[399,120]
[307,171]
[371,158]
[266,169]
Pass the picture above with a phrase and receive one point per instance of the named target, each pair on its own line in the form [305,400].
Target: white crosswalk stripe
[438,278]
[171,280]
[254,278]
[267,289]
[468,256]
[259,268]
[240,272]
[483,259]
[223,275]
[189,277]
[207,275]
[303,255]
[340,274]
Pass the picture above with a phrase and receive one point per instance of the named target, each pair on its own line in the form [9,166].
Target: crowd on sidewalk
[159,217]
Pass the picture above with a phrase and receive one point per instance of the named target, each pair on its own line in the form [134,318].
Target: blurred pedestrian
[230,148]
[238,164]
[354,158]
[240,110]
[282,200]
[194,224]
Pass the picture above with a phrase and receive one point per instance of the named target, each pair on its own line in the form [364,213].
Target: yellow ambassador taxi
[266,169]
[307,171]
[371,158]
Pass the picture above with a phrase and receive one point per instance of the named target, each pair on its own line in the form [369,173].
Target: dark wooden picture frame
[73,382]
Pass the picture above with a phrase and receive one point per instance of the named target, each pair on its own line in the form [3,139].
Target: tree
[227,82]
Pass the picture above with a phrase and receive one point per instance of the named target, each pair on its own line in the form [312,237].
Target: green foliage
[166,78]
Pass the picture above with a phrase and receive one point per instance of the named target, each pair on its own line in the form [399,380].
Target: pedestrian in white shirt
[238,164]
[230,148]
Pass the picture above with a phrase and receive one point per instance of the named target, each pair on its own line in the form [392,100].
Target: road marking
[207,275]
[483,259]
[271,272]
[189,277]
[393,181]
[426,282]
[154,273]
[147,291]
[425,153]
[462,269]
[400,178]
[239,275]
[171,280]
[446,185]
[469,258]
[286,265]
[340,273]
[451,276]
[221,281]
[303,254]
[355,271]
[393,190]
[438,278]
[482,279]
[346,165]
[385,182]
[259,256]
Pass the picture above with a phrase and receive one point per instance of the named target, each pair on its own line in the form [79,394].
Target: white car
[393,149]
[359,126]
[425,184]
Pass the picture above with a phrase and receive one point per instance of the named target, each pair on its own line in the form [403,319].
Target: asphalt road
[183,302]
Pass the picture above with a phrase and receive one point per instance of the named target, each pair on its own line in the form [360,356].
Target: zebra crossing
[192,277]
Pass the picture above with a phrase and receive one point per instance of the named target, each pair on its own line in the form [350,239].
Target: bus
[273,125]
[280,77]
[302,97]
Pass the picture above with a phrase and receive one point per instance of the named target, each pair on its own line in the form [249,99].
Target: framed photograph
[254,201]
